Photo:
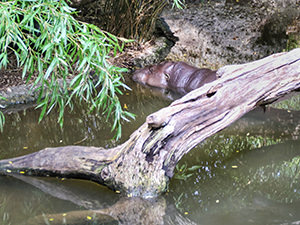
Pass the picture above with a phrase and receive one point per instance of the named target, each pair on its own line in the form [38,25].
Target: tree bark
[143,164]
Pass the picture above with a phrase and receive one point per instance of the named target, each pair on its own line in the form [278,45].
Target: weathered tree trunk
[143,165]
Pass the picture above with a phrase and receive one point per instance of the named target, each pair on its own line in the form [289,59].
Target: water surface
[247,174]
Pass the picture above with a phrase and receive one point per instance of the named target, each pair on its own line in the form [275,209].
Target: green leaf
[44,108]
[51,67]
[2,121]
[193,168]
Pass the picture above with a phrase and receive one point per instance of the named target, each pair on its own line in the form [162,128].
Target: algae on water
[292,103]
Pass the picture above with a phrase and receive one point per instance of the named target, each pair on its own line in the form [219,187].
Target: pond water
[247,174]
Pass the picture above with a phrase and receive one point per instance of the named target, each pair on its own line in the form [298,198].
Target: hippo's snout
[134,77]
[139,76]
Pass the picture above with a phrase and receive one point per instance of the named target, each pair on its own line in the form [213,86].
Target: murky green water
[247,174]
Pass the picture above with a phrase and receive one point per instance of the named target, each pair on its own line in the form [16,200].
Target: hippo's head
[156,76]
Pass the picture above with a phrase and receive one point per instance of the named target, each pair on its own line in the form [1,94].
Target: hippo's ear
[167,76]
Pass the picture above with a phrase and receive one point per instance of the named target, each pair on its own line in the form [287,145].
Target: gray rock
[156,53]
[274,3]
[21,94]
[220,33]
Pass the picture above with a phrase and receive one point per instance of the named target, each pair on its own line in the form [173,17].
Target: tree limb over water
[143,165]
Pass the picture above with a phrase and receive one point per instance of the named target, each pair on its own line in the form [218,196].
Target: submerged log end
[70,162]
[130,174]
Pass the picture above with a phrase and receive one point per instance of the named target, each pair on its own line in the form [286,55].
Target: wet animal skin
[176,76]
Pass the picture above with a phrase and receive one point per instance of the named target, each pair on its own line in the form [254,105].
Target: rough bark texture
[143,165]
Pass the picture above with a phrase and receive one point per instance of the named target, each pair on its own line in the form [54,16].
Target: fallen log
[143,165]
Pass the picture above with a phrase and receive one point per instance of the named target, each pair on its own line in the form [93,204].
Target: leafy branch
[66,58]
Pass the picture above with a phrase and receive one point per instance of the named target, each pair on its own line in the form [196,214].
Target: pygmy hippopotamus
[176,76]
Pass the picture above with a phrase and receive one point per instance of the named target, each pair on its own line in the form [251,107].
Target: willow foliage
[68,58]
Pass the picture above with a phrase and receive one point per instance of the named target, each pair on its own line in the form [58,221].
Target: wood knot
[213,90]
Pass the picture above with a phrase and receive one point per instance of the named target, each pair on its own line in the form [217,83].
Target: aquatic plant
[292,103]
[182,172]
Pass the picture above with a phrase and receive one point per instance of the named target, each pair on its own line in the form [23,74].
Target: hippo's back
[199,78]
[186,78]
[181,75]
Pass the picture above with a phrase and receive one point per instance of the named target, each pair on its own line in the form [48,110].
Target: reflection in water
[259,186]
[95,208]
[246,174]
